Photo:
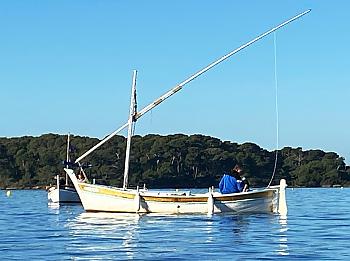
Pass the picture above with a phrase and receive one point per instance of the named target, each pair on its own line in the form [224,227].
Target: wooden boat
[96,197]
[63,193]
[111,199]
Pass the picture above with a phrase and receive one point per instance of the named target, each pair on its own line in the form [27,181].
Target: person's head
[238,168]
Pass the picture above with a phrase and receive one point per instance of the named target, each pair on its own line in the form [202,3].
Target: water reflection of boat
[114,232]
[283,239]
[104,219]
[112,199]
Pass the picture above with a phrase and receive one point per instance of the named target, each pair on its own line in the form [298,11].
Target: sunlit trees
[165,161]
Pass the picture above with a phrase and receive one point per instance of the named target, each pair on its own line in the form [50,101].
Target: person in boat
[81,177]
[232,182]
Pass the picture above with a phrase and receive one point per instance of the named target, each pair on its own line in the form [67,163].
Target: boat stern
[280,200]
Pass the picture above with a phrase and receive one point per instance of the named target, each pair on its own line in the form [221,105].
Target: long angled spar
[182,84]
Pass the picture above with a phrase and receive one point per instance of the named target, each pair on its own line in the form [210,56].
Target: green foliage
[166,161]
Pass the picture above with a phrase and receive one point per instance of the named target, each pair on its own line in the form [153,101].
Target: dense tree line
[166,161]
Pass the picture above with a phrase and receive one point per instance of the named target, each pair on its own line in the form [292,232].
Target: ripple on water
[316,228]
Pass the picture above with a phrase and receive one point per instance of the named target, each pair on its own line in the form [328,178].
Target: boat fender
[282,202]
[210,202]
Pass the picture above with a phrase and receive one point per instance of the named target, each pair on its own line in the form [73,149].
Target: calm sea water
[317,227]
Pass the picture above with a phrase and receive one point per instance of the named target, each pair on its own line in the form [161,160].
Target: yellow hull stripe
[106,191]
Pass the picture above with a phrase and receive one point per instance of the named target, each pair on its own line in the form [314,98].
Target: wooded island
[172,161]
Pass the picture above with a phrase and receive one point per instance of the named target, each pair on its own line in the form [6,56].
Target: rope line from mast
[276,109]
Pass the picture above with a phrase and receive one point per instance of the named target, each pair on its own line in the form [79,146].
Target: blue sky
[66,66]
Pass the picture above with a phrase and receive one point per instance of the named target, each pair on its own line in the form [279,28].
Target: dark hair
[237,167]
[235,173]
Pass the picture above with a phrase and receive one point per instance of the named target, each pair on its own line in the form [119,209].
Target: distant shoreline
[27,188]
[47,187]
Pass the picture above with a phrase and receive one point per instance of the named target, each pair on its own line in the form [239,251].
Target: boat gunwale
[153,196]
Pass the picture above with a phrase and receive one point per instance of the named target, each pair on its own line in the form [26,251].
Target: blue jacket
[229,184]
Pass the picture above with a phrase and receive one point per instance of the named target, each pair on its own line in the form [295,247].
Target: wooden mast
[131,122]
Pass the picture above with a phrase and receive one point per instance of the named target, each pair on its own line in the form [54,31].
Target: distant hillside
[166,161]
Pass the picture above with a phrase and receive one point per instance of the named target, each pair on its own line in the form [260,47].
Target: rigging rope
[276,109]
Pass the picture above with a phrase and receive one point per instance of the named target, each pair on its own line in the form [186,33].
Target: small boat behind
[62,193]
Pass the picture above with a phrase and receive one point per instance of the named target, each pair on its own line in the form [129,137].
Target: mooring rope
[276,108]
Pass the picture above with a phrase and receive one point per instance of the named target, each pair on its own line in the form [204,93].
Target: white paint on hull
[66,195]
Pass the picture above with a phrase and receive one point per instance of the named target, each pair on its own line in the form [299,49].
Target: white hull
[99,198]
[63,195]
